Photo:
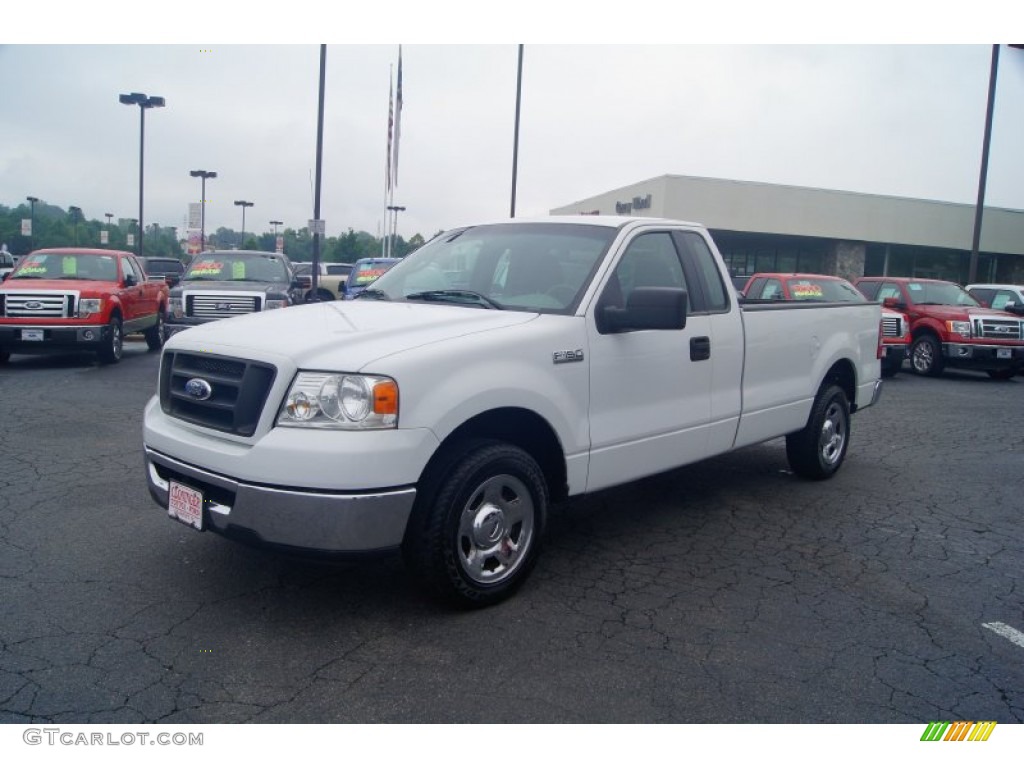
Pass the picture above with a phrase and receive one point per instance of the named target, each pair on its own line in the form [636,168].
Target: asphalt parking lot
[725,592]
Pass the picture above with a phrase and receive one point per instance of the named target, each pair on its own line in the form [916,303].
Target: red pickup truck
[69,299]
[949,327]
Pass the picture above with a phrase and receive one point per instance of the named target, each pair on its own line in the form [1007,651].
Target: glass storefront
[745,254]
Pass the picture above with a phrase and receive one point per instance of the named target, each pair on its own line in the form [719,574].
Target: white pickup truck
[497,370]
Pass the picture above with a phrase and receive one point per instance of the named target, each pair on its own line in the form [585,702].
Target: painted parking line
[1005,630]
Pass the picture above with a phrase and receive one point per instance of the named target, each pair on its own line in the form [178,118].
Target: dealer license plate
[186,504]
[1003,354]
[31,334]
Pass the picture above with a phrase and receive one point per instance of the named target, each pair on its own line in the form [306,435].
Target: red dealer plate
[186,505]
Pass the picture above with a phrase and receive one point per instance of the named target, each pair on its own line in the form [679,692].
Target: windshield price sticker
[206,268]
[804,290]
[186,504]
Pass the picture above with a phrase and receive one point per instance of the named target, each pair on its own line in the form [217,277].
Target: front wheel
[113,343]
[926,356]
[476,533]
[817,451]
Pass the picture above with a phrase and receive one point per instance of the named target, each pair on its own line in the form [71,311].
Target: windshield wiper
[373,293]
[455,295]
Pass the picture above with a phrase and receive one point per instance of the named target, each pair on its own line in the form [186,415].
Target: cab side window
[129,270]
[772,290]
[889,291]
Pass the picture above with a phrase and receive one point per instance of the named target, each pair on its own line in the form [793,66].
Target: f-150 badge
[568,356]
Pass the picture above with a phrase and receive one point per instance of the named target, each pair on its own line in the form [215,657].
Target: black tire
[890,369]
[1003,375]
[926,356]
[817,451]
[156,335]
[322,294]
[113,343]
[479,520]
[4,356]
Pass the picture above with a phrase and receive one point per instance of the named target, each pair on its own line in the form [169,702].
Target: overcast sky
[904,120]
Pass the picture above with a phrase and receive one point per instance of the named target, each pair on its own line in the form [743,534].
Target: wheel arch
[843,373]
[518,426]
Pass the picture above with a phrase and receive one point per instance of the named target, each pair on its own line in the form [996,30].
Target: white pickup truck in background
[496,370]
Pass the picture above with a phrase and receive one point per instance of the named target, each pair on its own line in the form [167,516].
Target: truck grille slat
[239,390]
[892,327]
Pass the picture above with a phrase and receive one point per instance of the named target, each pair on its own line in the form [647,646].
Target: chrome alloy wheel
[833,434]
[923,357]
[495,529]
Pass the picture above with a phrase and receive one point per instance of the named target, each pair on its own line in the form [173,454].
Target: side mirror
[647,309]
[130,280]
[893,303]
[172,280]
[1014,308]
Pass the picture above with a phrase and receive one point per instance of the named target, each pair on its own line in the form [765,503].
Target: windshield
[940,293]
[68,266]
[822,289]
[339,269]
[536,267]
[250,267]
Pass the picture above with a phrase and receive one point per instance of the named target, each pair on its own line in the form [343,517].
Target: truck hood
[949,312]
[342,335]
[20,285]
[223,286]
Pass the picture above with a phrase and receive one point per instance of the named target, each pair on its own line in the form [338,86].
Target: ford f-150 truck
[949,327]
[782,286]
[496,370]
[69,299]
[220,284]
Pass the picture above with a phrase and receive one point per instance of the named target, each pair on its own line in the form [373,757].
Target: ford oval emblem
[199,389]
[223,306]
[33,305]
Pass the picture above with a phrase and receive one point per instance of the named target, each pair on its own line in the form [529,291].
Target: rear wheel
[157,334]
[926,356]
[113,343]
[817,451]
[476,533]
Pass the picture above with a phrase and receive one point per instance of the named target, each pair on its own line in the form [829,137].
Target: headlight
[276,303]
[961,327]
[175,308]
[340,401]
[88,307]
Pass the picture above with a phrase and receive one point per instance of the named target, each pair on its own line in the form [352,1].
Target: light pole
[276,225]
[76,215]
[106,232]
[32,221]
[204,175]
[394,226]
[144,102]
[245,204]
[131,235]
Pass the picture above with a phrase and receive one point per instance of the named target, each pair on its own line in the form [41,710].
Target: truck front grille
[989,328]
[237,392]
[892,327]
[36,305]
[215,307]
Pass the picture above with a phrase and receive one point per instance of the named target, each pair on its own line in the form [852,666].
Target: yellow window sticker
[238,270]
[69,265]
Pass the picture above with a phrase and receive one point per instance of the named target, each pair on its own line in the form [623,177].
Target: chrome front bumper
[314,520]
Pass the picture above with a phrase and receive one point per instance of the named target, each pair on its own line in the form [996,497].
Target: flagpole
[387,173]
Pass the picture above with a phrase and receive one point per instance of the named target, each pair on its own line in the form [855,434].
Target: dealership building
[777,228]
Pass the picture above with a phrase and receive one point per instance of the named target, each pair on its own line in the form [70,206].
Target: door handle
[700,348]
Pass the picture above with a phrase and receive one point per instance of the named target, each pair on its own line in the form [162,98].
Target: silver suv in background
[1009,298]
